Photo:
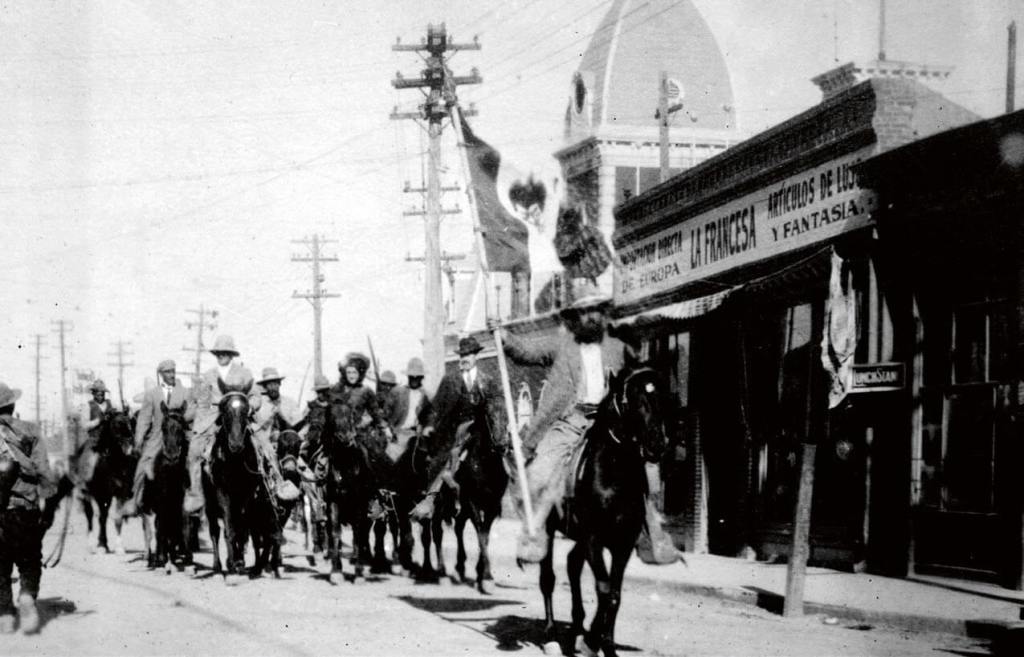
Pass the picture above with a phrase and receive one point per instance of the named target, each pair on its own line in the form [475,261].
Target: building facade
[725,282]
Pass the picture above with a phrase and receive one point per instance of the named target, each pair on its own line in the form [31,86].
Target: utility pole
[120,354]
[39,357]
[440,101]
[449,271]
[62,326]
[881,30]
[1011,66]
[200,325]
[318,293]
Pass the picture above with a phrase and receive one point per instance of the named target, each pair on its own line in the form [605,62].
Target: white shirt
[166,391]
[411,419]
[469,376]
[593,374]
[222,371]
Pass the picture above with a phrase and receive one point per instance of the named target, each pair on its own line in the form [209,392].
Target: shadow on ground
[453,605]
[52,608]
[516,633]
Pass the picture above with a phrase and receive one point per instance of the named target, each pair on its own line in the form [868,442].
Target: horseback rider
[312,461]
[277,412]
[459,397]
[93,417]
[412,409]
[207,399]
[25,481]
[169,393]
[349,395]
[386,399]
[580,360]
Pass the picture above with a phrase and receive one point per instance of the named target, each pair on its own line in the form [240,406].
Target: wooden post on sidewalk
[796,573]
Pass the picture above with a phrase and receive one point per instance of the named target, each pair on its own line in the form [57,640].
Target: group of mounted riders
[394,454]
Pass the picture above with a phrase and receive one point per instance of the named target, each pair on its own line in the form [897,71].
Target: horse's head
[117,433]
[234,414]
[635,401]
[288,445]
[172,428]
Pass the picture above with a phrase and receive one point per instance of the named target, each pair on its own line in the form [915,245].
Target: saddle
[577,462]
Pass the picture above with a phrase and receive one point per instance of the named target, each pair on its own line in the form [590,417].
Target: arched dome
[617,82]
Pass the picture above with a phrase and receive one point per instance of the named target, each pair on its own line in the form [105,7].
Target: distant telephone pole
[119,354]
[39,357]
[441,99]
[200,325]
[61,327]
[450,271]
[1011,66]
[317,294]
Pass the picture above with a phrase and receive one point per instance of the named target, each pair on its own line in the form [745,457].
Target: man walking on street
[169,393]
[25,482]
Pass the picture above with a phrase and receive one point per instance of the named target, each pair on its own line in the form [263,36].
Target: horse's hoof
[231,579]
[168,568]
[552,648]
[484,587]
[311,560]
[582,647]
[335,578]
[119,550]
[190,570]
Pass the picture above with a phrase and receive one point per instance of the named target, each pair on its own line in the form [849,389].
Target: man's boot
[28,614]
[655,546]
[194,501]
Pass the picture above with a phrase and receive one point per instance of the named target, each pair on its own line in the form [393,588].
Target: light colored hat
[166,365]
[415,367]
[98,385]
[269,374]
[224,344]
[320,382]
[8,395]
[387,376]
[586,295]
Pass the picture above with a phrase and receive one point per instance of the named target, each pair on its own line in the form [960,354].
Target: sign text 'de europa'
[801,210]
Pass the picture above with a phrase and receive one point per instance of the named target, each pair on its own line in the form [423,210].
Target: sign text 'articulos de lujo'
[805,208]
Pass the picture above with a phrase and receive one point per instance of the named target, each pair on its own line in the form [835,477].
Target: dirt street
[113,605]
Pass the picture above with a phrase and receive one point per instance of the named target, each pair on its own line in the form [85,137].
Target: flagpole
[517,445]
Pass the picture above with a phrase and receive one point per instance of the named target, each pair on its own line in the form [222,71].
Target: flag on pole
[505,237]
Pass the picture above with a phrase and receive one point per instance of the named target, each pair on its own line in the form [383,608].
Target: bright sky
[158,155]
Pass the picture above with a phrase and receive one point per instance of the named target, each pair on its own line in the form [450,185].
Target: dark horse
[606,508]
[267,529]
[349,487]
[164,495]
[235,489]
[113,459]
[480,480]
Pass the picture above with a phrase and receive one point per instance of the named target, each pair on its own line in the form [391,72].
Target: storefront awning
[689,309]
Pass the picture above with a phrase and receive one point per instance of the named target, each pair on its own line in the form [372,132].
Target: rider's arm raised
[529,352]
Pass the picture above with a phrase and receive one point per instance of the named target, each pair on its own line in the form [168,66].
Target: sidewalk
[929,604]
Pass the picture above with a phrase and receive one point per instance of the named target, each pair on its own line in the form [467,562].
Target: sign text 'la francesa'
[801,210]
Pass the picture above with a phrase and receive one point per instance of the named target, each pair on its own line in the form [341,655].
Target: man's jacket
[34,481]
[151,415]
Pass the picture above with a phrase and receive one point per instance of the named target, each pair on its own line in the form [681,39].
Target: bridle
[620,401]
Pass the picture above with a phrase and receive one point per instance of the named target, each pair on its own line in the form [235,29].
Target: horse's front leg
[547,588]
[483,562]
[620,557]
[214,526]
[460,547]
[333,531]
[380,560]
[427,568]
[594,639]
[104,513]
[119,521]
[437,529]
[574,566]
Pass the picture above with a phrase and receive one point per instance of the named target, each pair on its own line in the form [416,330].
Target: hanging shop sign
[803,209]
[878,377]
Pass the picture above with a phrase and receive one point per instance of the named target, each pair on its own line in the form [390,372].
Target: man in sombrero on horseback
[581,360]
[207,399]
